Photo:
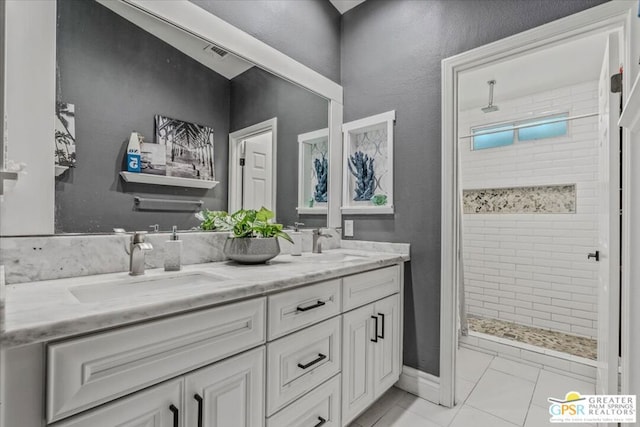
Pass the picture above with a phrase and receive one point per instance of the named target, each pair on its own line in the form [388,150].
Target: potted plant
[254,237]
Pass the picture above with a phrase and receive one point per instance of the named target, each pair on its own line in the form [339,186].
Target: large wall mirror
[211,103]
[120,76]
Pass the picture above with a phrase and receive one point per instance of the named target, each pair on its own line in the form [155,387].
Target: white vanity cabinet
[319,354]
[371,354]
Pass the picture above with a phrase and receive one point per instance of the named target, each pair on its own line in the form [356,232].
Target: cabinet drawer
[292,310]
[364,288]
[92,370]
[299,362]
[321,404]
[146,408]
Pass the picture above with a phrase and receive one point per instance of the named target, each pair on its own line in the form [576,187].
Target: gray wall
[306,30]
[257,96]
[119,76]
[391,55]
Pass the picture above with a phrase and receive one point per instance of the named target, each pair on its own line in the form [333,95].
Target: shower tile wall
[532,268]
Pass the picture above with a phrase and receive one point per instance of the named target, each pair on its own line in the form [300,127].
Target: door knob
[595,255]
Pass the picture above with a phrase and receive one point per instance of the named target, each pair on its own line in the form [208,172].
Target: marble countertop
[54,309]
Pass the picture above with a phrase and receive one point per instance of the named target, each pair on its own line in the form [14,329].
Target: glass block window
[548,127]
[526,130]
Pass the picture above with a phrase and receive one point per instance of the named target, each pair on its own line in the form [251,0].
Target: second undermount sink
[141,286]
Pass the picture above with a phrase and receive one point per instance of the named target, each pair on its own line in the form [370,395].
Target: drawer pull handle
[311,307]
[176,415]
[375,329]
[322,422]
[382,317]
[198,399]
[313,362]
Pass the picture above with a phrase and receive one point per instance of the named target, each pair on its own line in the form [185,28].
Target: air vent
[221,53]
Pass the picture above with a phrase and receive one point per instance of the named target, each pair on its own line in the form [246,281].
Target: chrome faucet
[317,244]
[137,249]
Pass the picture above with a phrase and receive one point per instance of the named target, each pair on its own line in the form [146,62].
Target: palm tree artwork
[65,134]
[189,148]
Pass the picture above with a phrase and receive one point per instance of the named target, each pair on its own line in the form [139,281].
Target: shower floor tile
[552,340]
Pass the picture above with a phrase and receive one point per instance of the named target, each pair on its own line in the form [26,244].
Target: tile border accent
[540,199]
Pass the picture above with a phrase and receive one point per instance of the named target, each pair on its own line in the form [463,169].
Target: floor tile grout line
[531,400]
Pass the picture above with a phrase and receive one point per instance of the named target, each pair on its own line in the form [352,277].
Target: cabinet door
[386,366]
[227,394]
[357,360]
[158,406]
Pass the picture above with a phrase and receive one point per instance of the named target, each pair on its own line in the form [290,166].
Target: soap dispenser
[173,252]
[296,236]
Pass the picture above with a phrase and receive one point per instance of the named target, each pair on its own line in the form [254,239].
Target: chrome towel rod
[529,125]
[144,203]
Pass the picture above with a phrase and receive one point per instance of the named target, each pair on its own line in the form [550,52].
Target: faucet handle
[155,227]
[138,237]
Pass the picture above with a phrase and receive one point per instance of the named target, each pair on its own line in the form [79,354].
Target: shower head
[490,108]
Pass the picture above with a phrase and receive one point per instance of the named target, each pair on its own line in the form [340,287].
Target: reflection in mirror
[118,77]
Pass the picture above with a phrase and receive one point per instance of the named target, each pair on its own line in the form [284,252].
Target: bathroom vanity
[303,341]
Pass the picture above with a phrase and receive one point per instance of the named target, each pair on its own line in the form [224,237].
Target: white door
[357,362]
[386,366]
[159,406]
[609,224]
[257,174]
[228,393]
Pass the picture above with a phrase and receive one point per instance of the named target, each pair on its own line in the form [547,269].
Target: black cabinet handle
[322,422]
[382,316]
[313,362]
[311,307]
[595,255]
[198,399]
[176,415]
[375,329]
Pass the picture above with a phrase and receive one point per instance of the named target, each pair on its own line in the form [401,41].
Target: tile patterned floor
[566,343]
[491,392]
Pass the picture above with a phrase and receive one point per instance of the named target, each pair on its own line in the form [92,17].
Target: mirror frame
[180,14]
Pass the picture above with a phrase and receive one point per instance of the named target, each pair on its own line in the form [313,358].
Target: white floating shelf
[630,117]
[59,170]
[173,181]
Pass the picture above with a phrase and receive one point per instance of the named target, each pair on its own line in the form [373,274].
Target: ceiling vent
[215,50]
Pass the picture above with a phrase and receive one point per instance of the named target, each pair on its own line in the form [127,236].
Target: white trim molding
[235,171]
[630,117]
[611,16]
[421,384]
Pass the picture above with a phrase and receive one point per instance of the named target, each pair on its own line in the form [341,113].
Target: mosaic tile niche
[545,199]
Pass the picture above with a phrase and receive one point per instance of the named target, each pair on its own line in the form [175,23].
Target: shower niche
[368,165]
[313,172]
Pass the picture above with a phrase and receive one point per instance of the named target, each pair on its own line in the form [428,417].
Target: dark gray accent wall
[306,30]
[119,76]
[256,96]
[391,55]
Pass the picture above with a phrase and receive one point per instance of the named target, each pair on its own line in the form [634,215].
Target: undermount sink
[326,258]
[136,287]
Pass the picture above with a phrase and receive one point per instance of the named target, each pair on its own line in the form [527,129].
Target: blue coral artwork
[361,167]
[321,167]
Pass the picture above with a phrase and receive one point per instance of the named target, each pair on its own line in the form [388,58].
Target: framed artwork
[313,170]
[65,135]
[188,148]
[368,165]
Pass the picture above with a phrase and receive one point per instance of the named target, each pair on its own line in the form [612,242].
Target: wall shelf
[312,211]
[367,210]
[630,117]
[173,181]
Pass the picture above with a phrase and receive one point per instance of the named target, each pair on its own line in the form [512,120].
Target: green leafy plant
[243,223]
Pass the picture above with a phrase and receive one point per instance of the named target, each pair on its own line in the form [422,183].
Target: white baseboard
[423,385]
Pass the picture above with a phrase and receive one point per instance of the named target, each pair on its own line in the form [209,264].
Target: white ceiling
[345,5]
[568,63]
